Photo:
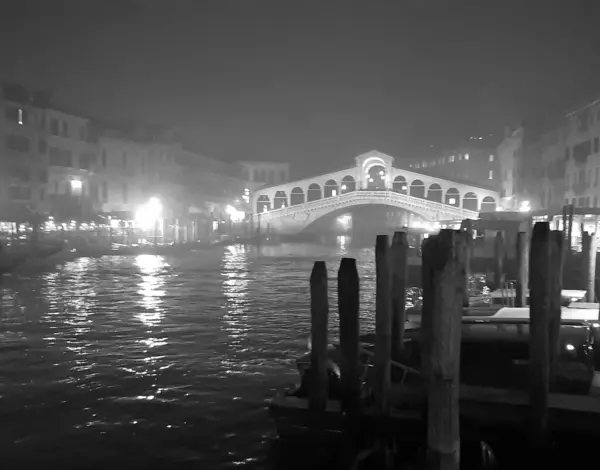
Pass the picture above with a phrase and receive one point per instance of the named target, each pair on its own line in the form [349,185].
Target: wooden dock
[430,406]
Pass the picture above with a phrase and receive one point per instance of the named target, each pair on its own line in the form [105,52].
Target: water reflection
[151,288]
[235,289]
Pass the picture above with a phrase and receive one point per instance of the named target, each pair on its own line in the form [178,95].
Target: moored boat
[494,357]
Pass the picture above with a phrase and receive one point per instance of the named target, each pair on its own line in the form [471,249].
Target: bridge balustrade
[373,196]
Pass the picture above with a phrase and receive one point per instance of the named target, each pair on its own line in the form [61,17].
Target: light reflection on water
[126,360]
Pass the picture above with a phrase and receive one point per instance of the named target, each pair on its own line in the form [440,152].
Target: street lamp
[76,185]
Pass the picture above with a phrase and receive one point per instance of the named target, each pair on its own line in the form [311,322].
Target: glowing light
[234,214]
[344,187]
[499,209]
[149,214]
[345,221]
[466,156]
[76,184]
[370,180]
[333,192]
[525,206]
[381,173]
[452,200]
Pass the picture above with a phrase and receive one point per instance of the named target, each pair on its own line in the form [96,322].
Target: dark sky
[311,82]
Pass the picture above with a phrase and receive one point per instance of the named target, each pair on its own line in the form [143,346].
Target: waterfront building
[23,153]
[64,167]
[265,173]
[71,152]
[473,162]
[508,154]
[582,156]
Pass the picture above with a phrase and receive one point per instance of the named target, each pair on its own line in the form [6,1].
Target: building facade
[508,154]
[23,154]
[554,161]
[581,137]
[470,163]
[60,165]
[265,173]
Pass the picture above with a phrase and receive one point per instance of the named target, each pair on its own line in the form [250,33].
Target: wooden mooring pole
[383,323]
[444,261]
[467,226]
[348,302]
[555,292]
[522,269]
[319,314]
[589,264]
[539,335]
[499,257]
[399,260]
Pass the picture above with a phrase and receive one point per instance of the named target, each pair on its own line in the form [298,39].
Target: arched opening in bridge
[435,193]
[400,185]
[263,204]
[453,197]
[375,178]
[296,196]
[488,204]
[417,189]
[331,188]
[348,184]
[470,201]
[280,200]
[313,193]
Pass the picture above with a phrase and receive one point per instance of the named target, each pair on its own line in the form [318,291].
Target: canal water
[158,362]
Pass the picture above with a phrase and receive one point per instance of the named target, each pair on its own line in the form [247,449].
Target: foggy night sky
[311,82]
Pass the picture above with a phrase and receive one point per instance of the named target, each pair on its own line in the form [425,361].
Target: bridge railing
[438,208]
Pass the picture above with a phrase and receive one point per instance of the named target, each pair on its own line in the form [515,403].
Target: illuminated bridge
[292,207]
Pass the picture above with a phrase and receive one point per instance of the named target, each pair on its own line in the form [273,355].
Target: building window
[596,175]
[43,176]
[54,130]
[17,115]
[596,145]
[103,158]
[491,175]
[19,193]
[42,147]
[59,157]
[595,201]
[86,161]
[491,157]
[451,158]
[17,142]
[65,129]
[282,176]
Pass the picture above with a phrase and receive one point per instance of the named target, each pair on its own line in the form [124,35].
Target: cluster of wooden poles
[444,275]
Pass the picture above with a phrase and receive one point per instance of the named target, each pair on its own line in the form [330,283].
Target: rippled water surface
[157,362]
